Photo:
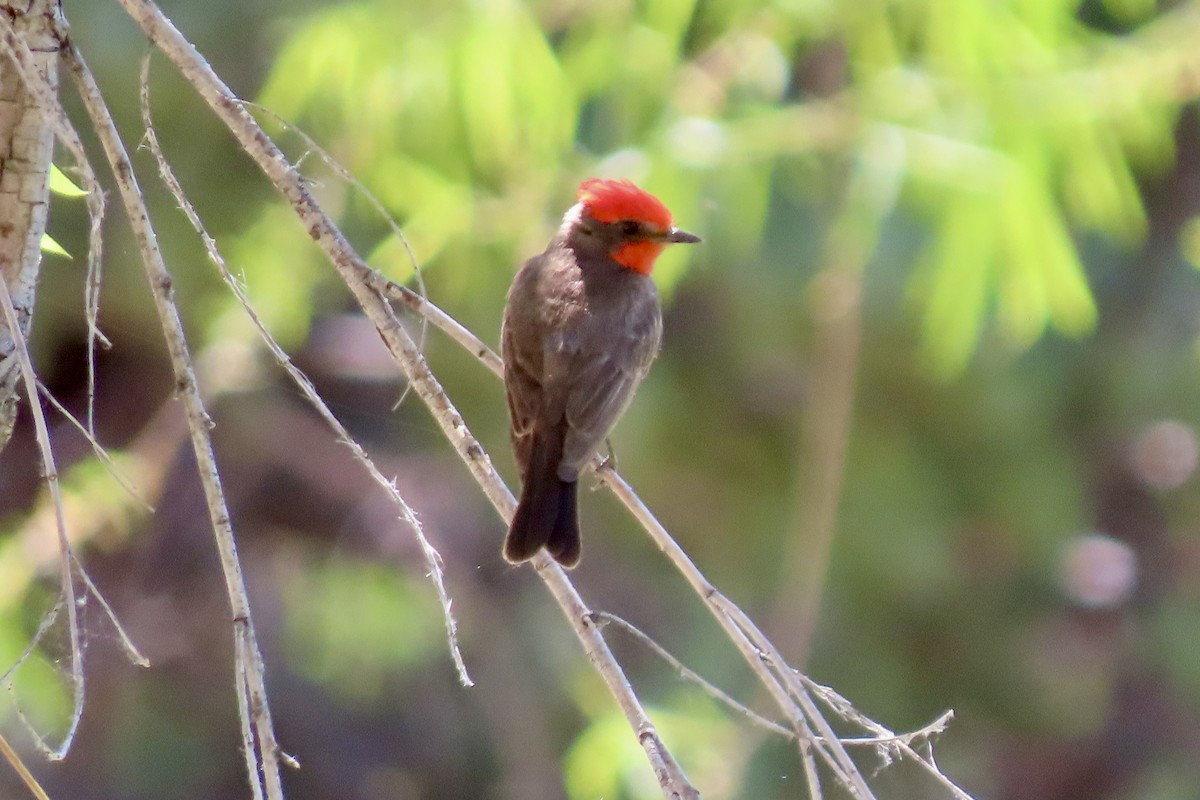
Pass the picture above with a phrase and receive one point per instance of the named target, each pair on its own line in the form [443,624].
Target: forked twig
[690,675]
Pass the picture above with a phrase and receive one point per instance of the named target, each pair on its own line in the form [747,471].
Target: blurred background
[926,407]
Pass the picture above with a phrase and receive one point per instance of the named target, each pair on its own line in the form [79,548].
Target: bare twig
[350,180]
[433,559]
[44,626]
[51,476]
[98,449]
[19,767]
[440,319]
[690,675]
[262,751]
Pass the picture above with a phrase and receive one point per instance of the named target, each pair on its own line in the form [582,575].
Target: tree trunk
[26,142]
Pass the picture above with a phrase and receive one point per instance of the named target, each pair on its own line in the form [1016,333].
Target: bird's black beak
[677,236]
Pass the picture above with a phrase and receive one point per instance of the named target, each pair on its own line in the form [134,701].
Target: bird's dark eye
[630,227]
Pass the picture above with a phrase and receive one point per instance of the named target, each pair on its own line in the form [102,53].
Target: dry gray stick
[51,476]
[262,751]
[688,674]
[102,455]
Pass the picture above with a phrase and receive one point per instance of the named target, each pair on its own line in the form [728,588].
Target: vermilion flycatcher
[581,326]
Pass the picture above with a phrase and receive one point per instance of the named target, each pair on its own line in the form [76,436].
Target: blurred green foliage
[996,162]
[352,624]
[605,761]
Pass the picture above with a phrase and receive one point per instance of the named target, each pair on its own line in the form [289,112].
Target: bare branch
[18,765]
[262,756]
[98,449]
[65,556]
[690,675]
[44,626]
[433,559]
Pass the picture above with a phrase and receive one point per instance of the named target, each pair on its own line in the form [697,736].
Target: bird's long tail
[546,514]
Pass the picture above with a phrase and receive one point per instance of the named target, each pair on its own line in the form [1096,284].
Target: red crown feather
[610,200]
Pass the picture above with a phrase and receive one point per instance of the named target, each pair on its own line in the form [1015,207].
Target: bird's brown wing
[521,346]
[524,393]
[601,389]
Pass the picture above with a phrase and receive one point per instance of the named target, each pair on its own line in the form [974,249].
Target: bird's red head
[616,201]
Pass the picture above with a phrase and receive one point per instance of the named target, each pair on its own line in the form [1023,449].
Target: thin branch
[19,767]
[690,675]
[50,474]
[433,559]
[380,209]
[98,450]
[44,626]
[439,319]
[262,758]
[131,651]
[709,594]
[354,273]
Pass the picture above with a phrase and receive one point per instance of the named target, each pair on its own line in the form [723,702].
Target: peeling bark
[26,142]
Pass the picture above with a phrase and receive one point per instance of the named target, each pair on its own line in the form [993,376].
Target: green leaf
[52,247]
[60,184]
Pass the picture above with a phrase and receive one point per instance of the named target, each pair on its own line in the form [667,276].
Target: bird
[582,324]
